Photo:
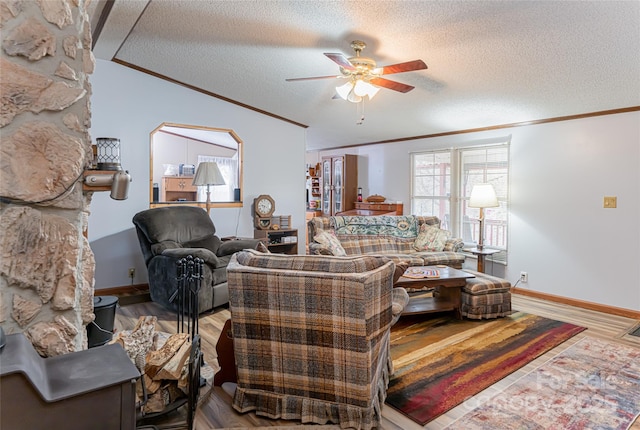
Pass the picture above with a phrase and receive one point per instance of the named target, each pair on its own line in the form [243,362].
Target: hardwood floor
[216,411]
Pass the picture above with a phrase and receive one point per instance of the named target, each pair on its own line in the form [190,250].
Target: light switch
[610,202]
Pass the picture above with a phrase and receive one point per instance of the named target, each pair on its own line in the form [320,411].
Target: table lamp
[483,196]
[208,174]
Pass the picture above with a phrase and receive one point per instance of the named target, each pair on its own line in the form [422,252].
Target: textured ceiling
[490,62]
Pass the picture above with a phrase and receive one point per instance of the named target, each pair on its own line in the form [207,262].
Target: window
[441,185]
[229,168]
[431,190]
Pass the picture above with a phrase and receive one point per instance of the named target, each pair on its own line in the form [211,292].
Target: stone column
[46,265]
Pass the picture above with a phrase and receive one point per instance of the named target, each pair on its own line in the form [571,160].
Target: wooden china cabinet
[339,184]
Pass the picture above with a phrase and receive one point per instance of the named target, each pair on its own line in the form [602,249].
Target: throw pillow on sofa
[431,238]
[331,242]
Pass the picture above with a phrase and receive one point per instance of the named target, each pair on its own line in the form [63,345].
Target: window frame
[459,195]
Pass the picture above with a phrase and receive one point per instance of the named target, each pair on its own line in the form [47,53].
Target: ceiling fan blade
[313,78]
[392,85]
[340,60]
[404,67]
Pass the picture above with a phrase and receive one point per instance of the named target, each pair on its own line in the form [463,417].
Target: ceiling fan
[363,75]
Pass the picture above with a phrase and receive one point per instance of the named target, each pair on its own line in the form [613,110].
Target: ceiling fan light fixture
[344,90]
[363,88]
[364,76]
[355,91]
[353,97]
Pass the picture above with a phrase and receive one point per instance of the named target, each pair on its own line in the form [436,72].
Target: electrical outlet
[132,272]
[524,277]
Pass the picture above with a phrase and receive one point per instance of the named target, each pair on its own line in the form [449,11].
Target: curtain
[229,169]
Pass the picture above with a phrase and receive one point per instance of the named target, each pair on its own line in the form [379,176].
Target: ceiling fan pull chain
[360,107]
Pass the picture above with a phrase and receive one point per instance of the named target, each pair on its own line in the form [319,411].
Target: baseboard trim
[578,303]
[122,290]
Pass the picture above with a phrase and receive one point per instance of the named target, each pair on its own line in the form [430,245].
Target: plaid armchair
[311,336]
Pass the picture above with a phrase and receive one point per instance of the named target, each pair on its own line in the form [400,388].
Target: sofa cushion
[395,226]
[485,284]
[431,238]
[433,258]
[410,259]
[329,240]
[261,247]
[356,244]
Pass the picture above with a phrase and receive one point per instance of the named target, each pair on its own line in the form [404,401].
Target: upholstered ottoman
[486,296]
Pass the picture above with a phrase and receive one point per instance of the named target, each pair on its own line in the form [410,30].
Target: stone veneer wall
[46,265]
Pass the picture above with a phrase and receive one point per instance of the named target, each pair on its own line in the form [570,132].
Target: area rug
[441,362]
[594,384]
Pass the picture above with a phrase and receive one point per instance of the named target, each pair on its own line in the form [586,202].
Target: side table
[481,254]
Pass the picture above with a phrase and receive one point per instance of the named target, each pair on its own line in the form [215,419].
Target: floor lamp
[208,174]
[483,196]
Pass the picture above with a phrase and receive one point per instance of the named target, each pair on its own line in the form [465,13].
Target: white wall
[128,105]
[559,231]
[176,150]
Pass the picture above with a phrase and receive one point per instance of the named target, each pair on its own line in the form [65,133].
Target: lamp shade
[483,196]
[208,173]
[344,90]
[120,185]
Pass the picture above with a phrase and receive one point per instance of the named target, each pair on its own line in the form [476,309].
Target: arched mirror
[175,153]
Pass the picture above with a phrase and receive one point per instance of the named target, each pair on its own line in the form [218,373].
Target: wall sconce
[108,153]
[109,174]
[117,182]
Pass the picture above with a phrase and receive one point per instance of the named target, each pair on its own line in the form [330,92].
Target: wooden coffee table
[447,295]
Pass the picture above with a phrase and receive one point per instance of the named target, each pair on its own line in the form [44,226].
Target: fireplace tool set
[189,277]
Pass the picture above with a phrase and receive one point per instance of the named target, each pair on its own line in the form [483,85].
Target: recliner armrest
[160,247]
[232,246]
[207,256]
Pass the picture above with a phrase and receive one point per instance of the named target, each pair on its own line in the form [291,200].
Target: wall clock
[263,206]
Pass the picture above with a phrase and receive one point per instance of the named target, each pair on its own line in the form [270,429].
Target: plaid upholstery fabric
[386,244]
[486,296]
[311,336]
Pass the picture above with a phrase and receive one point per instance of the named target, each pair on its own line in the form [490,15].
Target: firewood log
[139,340]
[173,367]
[157,401]
[152,386]
[157,359]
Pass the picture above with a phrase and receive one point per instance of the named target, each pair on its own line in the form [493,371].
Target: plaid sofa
[393,237]
[311,336]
